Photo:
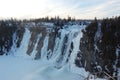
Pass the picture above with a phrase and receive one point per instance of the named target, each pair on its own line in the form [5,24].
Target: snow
[21,52]
[76,41]
[45,24]
[48,24]
[51,73]
[44,48]
[16,68]
[13,48]
[35,48]
[73,32]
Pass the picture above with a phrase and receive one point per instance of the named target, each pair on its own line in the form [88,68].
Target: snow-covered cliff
[74,46]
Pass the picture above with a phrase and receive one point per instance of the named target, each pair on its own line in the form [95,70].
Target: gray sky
[83,9]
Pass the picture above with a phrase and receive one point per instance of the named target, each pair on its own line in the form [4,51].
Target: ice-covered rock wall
[45,43]
[78,45]
[48,43]
[99,47]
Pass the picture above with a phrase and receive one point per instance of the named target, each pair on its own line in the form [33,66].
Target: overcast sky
[83,9]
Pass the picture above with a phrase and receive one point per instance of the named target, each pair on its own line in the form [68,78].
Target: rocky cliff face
[100,47]
[95,47]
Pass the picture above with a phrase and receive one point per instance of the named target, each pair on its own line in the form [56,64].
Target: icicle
[21,51]
[14,46]
[36,44]
[45,48]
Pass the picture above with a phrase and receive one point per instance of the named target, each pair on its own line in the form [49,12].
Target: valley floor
[14,68]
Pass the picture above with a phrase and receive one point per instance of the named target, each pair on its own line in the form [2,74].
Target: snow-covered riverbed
[14,68]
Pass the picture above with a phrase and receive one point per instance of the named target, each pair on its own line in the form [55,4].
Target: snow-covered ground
[14,68]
